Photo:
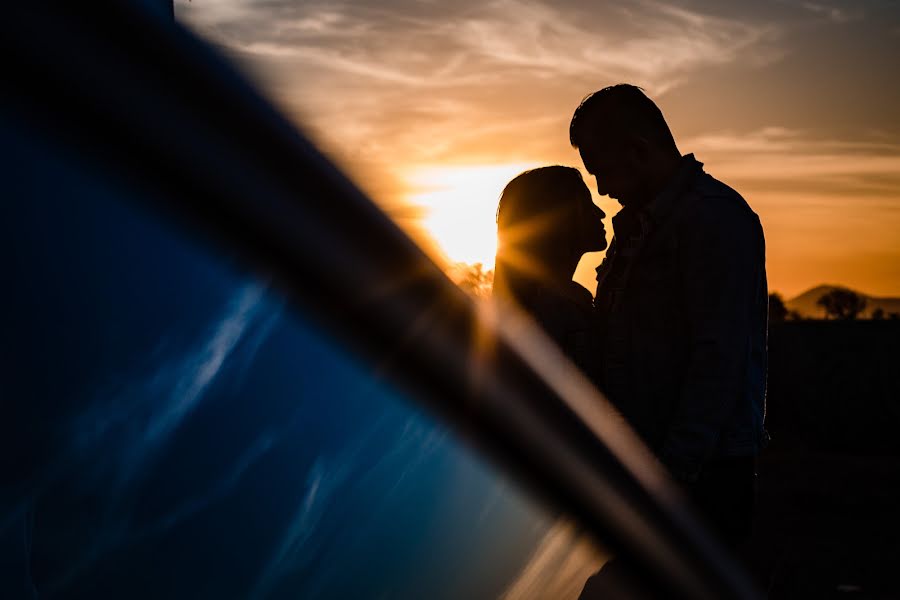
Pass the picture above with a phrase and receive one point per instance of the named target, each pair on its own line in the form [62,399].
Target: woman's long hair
[536,224]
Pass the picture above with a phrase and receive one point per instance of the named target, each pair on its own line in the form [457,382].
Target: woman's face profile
[589,227]
[547,218]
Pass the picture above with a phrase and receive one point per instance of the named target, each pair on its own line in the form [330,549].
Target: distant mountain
[805,303]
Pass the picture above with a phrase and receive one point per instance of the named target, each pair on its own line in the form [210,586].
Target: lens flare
[460,204]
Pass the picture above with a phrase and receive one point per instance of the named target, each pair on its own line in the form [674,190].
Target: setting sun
[460,203]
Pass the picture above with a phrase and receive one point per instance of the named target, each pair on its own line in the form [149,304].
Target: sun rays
[460,204]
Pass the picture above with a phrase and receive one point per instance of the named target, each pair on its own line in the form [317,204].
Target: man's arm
[720,258]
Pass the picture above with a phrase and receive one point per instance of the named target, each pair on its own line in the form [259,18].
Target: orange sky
[433,106]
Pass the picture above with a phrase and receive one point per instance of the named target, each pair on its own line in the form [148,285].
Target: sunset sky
[433,106]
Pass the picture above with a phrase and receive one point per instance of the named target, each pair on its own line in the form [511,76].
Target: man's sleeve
[720,256]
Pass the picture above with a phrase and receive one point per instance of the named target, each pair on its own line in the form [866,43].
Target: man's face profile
[589,225]
[612,172]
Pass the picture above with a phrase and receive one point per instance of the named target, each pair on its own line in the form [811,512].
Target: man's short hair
[615,111]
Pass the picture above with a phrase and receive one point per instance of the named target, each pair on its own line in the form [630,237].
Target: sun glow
[460,204]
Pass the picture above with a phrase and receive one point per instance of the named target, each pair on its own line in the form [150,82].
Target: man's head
[625,143]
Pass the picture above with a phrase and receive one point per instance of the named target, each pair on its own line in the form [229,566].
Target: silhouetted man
[681,305]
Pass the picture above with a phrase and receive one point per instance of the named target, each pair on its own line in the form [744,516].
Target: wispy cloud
[828,205]
[833,13]
[391,87]
[406,82]
[154,405]
[795,162]
[653,41]
[395,465]
[191,505]
[118,439]
[198,370]
[322,481]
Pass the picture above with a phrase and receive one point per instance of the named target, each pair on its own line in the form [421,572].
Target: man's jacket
[681,310]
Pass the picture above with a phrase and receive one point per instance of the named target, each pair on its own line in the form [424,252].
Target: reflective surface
[172,429]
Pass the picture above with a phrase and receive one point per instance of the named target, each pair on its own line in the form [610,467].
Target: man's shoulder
[712,201]
[708,186]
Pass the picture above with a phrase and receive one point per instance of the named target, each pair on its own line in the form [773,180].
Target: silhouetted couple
[676,333]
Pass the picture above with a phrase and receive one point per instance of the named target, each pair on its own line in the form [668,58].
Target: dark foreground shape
[148,446]
[828,525]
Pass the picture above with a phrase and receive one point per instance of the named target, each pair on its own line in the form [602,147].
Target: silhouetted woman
[546,221]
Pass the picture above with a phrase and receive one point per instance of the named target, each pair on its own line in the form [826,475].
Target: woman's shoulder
[580,295]
[563,308]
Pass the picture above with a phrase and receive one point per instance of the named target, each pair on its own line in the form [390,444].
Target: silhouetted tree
[778,312]
[894,316]
[473,278]
[877,314]
[842,304]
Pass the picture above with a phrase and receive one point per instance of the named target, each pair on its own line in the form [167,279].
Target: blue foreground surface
[171,429]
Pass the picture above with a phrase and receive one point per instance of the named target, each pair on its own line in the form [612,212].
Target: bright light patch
[460,205]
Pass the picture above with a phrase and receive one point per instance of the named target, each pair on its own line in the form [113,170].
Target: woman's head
[546,221]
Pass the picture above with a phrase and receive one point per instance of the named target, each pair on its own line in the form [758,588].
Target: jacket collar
[661,206]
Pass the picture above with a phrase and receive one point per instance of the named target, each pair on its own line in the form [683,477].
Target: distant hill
[805,303]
